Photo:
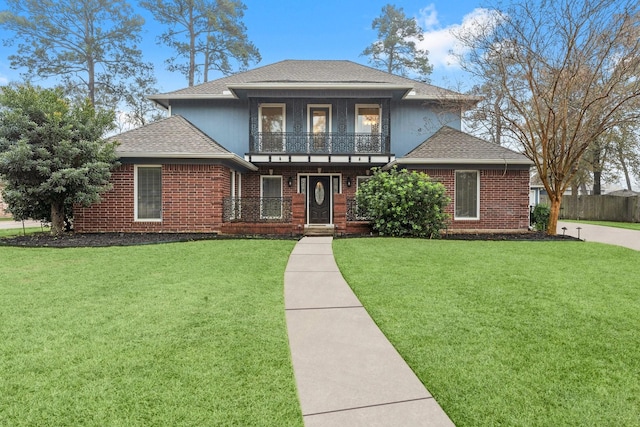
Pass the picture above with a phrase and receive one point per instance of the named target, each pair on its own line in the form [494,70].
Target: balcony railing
[319,143]
[257,209]
[354,213]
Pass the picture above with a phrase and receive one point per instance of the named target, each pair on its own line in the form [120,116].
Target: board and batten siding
[413,122]
[226,121]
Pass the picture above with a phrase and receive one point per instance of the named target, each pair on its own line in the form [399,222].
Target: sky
[311,29]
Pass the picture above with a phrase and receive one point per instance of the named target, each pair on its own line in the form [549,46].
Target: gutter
[234,158]
[449,161]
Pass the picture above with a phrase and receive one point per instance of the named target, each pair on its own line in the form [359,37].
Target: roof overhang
[448,161]
[240,89]
[229,158]
[163,99]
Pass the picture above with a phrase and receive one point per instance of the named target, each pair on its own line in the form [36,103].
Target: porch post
[297,214]
[340,213]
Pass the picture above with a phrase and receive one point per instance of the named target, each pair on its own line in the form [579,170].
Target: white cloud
[440,41]
[3,80]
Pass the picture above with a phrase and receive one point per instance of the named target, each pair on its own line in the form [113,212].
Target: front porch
[247,216]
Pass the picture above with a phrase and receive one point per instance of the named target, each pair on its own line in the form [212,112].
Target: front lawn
[509,333]
[182,334]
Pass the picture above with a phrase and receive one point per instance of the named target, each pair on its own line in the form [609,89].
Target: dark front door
[319,200]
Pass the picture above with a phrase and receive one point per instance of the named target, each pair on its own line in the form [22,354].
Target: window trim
[135,193]
[455,198]
[262,179]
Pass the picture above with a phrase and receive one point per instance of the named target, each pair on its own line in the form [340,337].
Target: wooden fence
[601,208]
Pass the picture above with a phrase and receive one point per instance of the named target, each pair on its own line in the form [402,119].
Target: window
[367,128]
[272,127]
[271,197]
[148,193]
[467,195]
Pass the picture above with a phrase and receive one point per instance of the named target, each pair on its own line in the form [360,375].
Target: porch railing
[354,213]
[257,209]
[319,143]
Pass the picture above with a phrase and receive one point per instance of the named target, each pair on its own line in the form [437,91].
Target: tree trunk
[192,48]
[57,218]
[625,169]
[556,202]
[597,187]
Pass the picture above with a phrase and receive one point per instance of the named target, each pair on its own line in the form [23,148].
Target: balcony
[319,143]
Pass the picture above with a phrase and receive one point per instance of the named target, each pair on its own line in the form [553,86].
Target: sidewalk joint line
[368,406]
[323,308]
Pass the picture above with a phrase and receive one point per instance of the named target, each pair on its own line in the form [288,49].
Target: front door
[319,196]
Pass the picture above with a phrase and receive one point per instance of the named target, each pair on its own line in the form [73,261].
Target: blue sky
[328,29]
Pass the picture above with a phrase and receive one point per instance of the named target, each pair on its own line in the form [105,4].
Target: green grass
[12,232]
[183,334]
[625,225]
[509,333]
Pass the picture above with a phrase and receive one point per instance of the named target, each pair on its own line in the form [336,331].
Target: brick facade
[192,200]
[504,200]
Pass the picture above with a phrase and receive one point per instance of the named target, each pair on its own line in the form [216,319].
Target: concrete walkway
[596,233]
[347,372]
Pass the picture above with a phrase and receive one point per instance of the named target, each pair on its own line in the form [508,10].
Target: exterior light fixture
[348,181]
[290,181]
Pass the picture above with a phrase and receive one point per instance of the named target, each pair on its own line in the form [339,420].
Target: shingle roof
[172,137]
[316,73]
[450,145]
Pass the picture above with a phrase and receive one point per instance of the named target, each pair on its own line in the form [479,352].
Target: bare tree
[569,72]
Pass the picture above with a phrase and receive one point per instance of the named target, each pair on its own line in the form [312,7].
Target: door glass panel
[319,121]
[319,193]
[319,126]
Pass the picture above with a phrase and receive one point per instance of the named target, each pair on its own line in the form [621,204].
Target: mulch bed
[71,239]
[532,235]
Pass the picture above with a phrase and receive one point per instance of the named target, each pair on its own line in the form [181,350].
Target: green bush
[541,215]
[403,203]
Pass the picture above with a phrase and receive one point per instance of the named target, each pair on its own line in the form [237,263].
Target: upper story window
[368,118]
[368,128]
[272,126]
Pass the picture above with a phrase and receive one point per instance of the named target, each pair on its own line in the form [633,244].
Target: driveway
[597,233]
[18,224]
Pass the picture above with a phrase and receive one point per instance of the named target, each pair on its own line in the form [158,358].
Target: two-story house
[282,149]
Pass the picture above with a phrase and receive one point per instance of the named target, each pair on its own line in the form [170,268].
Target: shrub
[403,203]
[541,215]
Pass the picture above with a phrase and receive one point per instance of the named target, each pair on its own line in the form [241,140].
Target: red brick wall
[191,202]
[504,199]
